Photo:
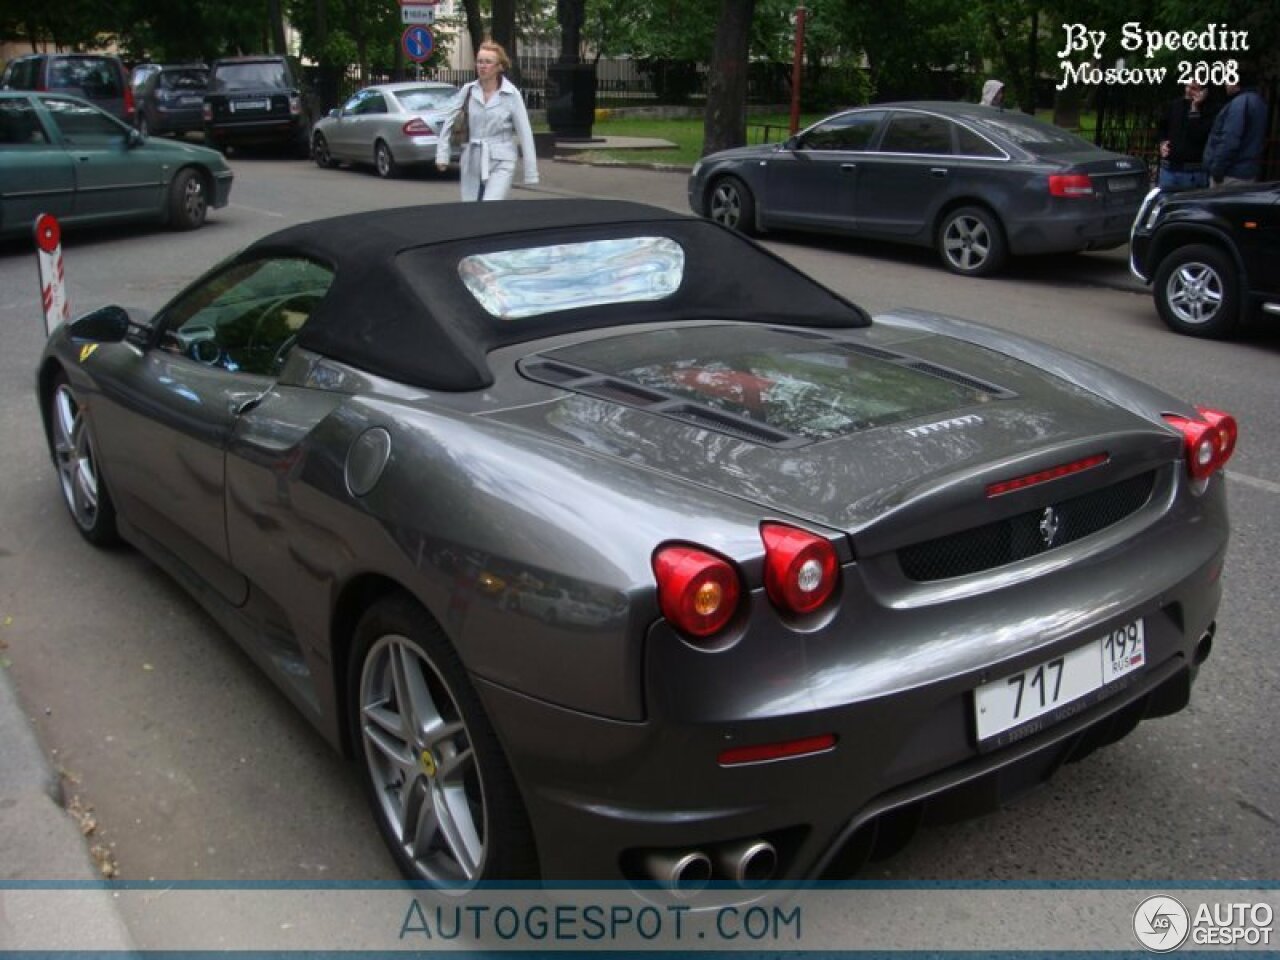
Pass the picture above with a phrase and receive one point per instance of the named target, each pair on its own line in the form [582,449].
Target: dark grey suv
[99,78]
[171,99]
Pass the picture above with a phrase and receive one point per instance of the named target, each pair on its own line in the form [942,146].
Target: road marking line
[265,213]
[1249,481]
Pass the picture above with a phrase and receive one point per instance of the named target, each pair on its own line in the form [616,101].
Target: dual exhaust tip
[688,872]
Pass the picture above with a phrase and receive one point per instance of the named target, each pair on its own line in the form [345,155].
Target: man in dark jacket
[1182,134]
[1239,135]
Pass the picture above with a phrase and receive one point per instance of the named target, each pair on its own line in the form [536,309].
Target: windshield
[250,76]
[425,98]
[1039,138]
[511,284]
[193,79]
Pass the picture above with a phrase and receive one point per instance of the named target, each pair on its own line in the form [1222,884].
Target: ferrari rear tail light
[800,568]
[1208,442]
[1070,185]
[697,591]
[417,127]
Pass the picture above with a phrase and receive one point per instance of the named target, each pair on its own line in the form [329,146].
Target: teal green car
[62,155]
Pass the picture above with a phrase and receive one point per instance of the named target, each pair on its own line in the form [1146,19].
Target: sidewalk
[39,841]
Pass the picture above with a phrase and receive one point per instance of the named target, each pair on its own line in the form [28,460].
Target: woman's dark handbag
[460,132]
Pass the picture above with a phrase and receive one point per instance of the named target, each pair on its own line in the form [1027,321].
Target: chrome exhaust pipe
[684,874]
[1205,646]
[752,861]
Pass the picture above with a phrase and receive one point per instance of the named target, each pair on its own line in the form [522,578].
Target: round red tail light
[1209,443]
[697,591]
[800,568]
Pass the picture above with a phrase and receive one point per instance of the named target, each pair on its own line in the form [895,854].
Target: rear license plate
[1122,184]
[239,105]
[1057,688]
[191,101]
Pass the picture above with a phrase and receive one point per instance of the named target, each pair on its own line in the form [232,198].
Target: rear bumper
[605,796]
[275,130]
[182,120]
[1067,232]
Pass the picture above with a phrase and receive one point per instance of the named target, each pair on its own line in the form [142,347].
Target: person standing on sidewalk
[1182,133]
[498,130]
[1239,135]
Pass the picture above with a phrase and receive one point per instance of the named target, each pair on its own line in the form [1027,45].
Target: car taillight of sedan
[417,127]
[1070,185]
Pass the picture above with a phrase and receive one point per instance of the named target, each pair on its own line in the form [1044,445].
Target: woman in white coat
[497,124]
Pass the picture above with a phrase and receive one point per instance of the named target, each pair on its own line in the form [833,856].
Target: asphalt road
[197,769]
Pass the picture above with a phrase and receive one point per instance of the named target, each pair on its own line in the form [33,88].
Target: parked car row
[980,183]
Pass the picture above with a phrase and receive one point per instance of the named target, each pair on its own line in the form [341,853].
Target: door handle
[938,172]
[848,167]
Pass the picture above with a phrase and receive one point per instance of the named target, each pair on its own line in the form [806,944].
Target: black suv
[257,100]
[98,78]
[1212,255]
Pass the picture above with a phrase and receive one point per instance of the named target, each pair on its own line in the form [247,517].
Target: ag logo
[1161,924]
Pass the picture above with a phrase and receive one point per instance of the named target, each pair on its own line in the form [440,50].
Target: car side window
[850,131]
[969,144]
[246,318]
[19,124]
[352,106]
[917,133]
[83,125]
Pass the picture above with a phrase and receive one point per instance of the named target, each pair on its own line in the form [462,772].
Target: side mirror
[791,143]
[134,138]
[104,325]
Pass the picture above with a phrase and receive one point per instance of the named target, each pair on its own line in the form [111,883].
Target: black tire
[440,767]
[320,152]
[384,161]
[188,200]
[83,490]
[971,242]
[730,203]
[1197,292]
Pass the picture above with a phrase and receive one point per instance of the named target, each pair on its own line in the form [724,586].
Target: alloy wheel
[726,205]
[73,453]
[967,243]
[194,201]
[422,763]
[1194,293]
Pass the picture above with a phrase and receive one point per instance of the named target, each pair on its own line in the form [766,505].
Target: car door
[813,183]
[113,178]
[35,174]
[341,132]
[167,414]
[906,178]
[373,122]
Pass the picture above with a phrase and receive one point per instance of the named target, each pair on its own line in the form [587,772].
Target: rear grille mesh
[1008,541]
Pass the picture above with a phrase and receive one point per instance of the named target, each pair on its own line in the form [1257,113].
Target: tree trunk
[504,32]
[475,23]
[275,17]
[725,123]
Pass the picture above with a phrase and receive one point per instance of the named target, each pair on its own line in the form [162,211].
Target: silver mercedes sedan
[390,126]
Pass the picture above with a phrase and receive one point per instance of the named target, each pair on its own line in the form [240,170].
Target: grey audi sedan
[609,546]
[977,183]
[388,127]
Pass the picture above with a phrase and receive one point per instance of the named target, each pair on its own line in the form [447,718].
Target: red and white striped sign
[53,281]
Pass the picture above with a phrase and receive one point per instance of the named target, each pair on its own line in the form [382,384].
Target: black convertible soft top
[398,307]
